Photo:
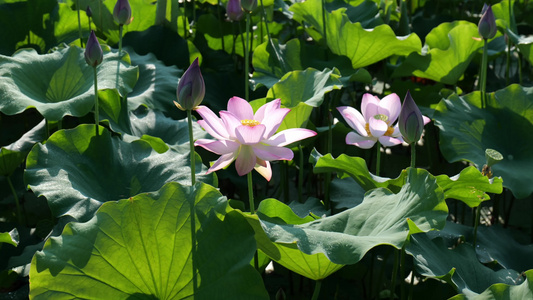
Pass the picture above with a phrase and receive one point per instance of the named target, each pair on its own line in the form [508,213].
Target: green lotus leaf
[451,47]
[382,218]
[362,46]
[501,291]
[314,266]
[524,44]
[77,170]
[142,248]
[458,266]
[469,186]
[11,237]
[157,84]
[66,27]
[10,160]
[307,86]
[466,131]
[59,83]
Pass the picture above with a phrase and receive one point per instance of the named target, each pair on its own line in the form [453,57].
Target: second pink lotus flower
[249,139]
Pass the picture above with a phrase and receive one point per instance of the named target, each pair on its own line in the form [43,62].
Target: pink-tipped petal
[218,147]
[390,106]
[354,119]
[273,120]
[231,123]
[377,127]
[250,135]
[369,106]
[353,138]
[426,119]
[265,171]
[222,162]
[246,160]
[211,123]
[271,153]
[289,136]
[389,141]
[240,108]
[266,109]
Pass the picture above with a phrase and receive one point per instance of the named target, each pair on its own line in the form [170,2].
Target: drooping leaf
[382,218]
[451,47]
[362,46]
[459,266]
[77,171]
[59,83]
[502,291]
[466,131]
[143,247]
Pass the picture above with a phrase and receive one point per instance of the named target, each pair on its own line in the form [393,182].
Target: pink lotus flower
[375,124]
[249,139]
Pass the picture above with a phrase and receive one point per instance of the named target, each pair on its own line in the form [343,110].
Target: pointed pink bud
[122,12]
[93,52]
[487,24]
[191,88]
[234,10]
[249,5]
[410,122]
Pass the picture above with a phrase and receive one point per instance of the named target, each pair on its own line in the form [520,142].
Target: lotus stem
[413,155]
[252,211]
[483,77]
[247,59]
[316,293]
[120,39]
[96,110]
[263,13]
[300,174]
[191,147]
[221,23]
[184,19]
[402,272]
[476,223]
[79,22]
[324,29]
[17,203]
[378,158]
[394,274]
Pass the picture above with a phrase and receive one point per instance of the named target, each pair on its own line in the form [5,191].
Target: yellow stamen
[250,123]
[389,131]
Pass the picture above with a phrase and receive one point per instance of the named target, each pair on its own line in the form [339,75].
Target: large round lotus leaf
[59,83]
[142,248]
[363,47]
[458,266]
[77,171]
[451,48]
[382,218]
[505,125]
[157,84]
[502,291]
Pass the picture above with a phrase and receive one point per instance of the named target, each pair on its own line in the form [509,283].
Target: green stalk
[402,272]
[316,293]
[96,109]
[252,211]
[247,59]
[300,174]
[413,155]
[476,223]
[324,22]
[184,19]
[508,63]
[17,203]
[120,39]
[394,274]
[221,23]
[378,158]
[483,77]
[191,148]
[79,22]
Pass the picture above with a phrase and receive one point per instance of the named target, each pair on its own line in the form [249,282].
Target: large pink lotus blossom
[248,139]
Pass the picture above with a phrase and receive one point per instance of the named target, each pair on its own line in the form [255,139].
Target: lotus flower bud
[487,24]
[93,52]
[249,5]
[122,12]
[234,10]
[89,11]
[410,121]
[191,88]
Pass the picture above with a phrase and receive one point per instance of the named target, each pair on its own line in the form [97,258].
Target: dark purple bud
[191,88]
[234,10]
[487,24]
[410,121]
[249,5]
[122,12]
[89,11]
[93,52]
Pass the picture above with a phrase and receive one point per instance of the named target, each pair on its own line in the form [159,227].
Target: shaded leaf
[502,291]
[11,237]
